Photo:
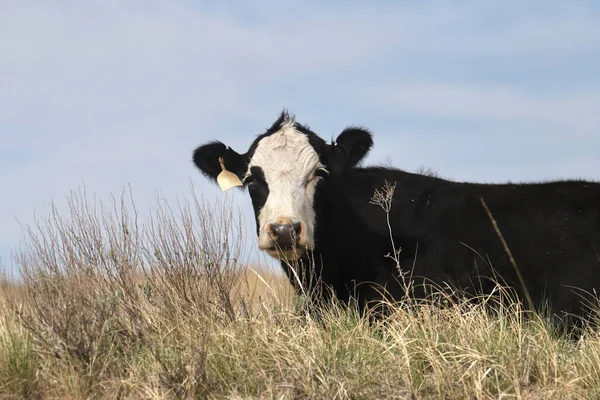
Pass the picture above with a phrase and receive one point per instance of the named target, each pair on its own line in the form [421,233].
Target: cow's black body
[441,226]
[552,230]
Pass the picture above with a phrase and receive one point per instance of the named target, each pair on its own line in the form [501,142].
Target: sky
[110,94]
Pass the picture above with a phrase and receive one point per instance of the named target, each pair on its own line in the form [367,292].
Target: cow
[367,228]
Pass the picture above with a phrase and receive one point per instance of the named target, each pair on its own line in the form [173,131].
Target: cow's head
[282,170]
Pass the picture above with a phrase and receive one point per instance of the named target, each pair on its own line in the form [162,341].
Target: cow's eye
[318,174]
[321,172]
[248,179]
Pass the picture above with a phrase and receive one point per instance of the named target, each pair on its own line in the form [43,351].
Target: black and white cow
[311,195]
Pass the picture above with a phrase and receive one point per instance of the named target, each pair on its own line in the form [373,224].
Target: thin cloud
[576,115]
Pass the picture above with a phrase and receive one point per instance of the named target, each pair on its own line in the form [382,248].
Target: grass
[112,307]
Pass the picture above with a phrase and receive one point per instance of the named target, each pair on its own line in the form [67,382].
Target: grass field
[112,307]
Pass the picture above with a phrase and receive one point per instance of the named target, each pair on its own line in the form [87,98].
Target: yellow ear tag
[226,179]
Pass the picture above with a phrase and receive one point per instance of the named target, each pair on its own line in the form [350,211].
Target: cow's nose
[285,235]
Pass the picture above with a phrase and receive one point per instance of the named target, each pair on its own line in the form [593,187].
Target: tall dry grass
[113,307]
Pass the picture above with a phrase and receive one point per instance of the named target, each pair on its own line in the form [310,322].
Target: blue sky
[114,93]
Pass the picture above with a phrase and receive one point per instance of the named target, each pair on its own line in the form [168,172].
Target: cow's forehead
[287,149]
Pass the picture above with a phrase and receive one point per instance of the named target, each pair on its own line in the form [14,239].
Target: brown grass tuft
[113,307]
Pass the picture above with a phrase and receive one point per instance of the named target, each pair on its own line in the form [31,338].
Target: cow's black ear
[206,158]
[351,146]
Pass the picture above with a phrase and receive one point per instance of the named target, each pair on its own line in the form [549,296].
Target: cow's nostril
[275,229]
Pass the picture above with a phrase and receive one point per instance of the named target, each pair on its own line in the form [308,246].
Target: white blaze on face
[288,162]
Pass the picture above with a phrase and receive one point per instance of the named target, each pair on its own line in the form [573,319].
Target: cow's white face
[282,170]
[282,176]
